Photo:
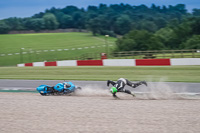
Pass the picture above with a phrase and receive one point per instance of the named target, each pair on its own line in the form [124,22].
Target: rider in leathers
[120,84]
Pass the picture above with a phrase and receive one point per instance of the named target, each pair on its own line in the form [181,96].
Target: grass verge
[26,48]
[154,74]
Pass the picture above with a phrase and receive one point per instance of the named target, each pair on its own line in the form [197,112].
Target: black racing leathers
[120,84]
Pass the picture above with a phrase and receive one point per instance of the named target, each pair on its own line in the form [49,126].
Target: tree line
[141,27]
[175,35]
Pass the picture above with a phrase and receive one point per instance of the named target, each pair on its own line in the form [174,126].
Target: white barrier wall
[119,62]
[38,64]
[67,63]
[185,61]
[20,65]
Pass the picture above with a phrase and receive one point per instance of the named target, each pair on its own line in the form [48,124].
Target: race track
[179,87]
[93,109]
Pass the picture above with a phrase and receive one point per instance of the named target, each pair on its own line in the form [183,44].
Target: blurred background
[47,30]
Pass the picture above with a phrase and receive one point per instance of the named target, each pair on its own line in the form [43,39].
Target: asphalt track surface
[178,87]
[94,110]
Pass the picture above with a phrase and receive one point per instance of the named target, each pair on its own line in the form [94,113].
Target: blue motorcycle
[59,89]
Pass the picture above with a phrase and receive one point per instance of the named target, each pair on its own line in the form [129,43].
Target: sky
[27,8]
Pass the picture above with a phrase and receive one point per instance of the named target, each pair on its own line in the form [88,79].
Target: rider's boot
[132,94]
[139,83]
[129,92]
[114,95]
[144,82]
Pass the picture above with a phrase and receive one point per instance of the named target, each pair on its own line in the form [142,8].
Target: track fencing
[118,62]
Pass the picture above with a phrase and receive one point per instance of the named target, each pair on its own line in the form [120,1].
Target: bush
[4,28]
[192,43]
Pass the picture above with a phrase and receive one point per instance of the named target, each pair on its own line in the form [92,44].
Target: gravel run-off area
[80,113]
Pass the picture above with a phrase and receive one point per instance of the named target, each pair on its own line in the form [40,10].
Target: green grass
[155,74]
[36,45]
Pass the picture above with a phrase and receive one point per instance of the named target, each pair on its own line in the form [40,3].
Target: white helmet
[67,85]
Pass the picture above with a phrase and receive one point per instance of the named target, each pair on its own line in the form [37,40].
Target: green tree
[15,23]
[50,21]
[149,26]
[196,12]
[180,34]
[195,25]
[4,28]
[69,10]
[181,8]
[35,24]
[191,43]
[138,40]
[66,21]
[165,35]
[94,25]
[155,43]
[122,25]
[38,15]
[127,44]
[78,20]
[160,23]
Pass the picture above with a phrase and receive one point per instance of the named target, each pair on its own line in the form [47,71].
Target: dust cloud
[92,91]
[154,91]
